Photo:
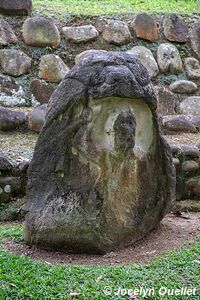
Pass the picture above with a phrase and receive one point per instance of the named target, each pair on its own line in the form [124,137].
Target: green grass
[97,7]
[23,278]
[14,231]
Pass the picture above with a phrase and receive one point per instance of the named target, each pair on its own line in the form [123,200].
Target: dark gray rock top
[101,75]
[16,7]
[5,164]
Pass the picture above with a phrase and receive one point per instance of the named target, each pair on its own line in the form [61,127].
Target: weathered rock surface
[193,185]
[40,32]
[7,35]
[80,34]
[116,32]
[36,118]
[146,57]
[183,87]
[191,151]
[10,119]
[41,90]
[166,101]
[8,85]
[52,68]
[11,94]
[82,54]
[145,27]
[5,164]
[9,187]
[196,121]
[195,38]
[169,59]
[100,23]
[190,166]
[176,161]
[192,67]
[14,62]
[16,7]
[179,124]
[89,187]
[191,105]
[175,29]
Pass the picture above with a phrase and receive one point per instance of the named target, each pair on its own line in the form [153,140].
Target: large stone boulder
[9,187]
[40,32]
[146,57]
[14,62]
[189,151]
[16,7]
[36,118]
[101,176]
[190,106]
[190,166]
[10,119]
[179,124]
[145,27]
[175,29]
[192,67]
[193,186]
[183,87]
[195,38]
[80,34]
[196,121]
[166,101]
[41,90]
[52,68]
[169,59]
[116,32]
[7,34]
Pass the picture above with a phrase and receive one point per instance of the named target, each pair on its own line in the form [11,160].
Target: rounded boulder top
[16,7]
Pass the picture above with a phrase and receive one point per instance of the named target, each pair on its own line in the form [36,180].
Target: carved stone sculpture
[102,175]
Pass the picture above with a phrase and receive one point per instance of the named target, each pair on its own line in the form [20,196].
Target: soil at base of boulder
[171,234]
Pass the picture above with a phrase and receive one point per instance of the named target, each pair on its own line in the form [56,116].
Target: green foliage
[14,231]
[23,278]
[97,7]
[187,205]
[12,211]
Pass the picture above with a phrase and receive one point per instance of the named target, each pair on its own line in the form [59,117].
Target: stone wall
[44,49]
[187,163]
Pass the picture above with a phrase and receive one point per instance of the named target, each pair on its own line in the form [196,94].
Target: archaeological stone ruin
[101,176]
[37,52]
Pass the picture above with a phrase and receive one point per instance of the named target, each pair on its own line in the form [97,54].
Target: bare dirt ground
[172,233]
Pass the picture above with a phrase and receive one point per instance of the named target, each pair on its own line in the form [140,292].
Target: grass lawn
[97,7]
[22,278]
